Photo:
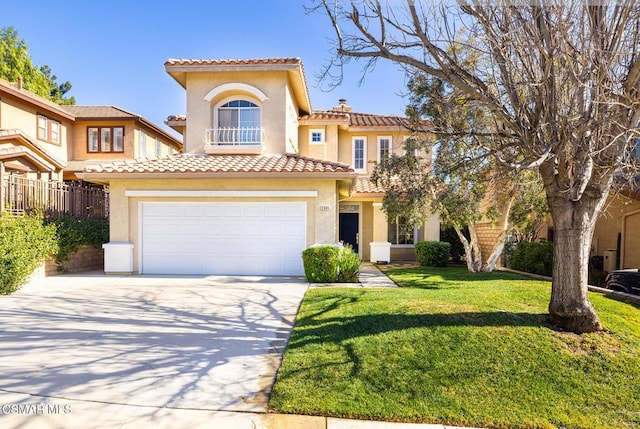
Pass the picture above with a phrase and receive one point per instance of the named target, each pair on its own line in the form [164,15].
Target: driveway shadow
[196,343]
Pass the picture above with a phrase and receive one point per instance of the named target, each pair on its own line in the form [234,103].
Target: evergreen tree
[15,63]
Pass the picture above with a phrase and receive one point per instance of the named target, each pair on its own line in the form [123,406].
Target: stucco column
[118,253]
[380,247]
[380,226]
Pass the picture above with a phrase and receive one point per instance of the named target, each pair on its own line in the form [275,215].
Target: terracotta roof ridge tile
[233,61]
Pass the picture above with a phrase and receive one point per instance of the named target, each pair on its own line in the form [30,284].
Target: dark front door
[348,230]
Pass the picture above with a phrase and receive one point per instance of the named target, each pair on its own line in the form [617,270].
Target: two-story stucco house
[40,139]
[262,177]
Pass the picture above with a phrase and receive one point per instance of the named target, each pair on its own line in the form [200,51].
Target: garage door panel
[223,238]
[213,211]
[253,211]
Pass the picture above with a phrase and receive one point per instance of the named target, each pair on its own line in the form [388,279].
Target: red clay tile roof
[357,119]
[232,62]
[365,186]
[177,67]
[190,163]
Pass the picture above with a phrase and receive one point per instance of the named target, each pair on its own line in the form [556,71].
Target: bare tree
[560,80]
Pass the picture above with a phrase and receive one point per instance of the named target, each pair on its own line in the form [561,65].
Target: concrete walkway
[99,352]
[370,277]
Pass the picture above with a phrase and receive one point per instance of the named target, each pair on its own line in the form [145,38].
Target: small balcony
[245,141]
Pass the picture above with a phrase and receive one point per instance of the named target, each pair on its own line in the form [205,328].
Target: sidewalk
[370,277]
[55,413]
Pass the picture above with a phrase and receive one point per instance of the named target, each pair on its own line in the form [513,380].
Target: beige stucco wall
[80,140]
[15,114]
[338,144]
[321,224]
[274,110]
[132,132]
[291,139]
[345,145]
[619,217]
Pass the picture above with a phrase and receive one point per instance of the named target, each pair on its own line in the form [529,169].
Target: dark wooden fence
[20,195]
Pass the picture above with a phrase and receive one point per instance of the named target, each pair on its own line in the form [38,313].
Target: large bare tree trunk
[574,222]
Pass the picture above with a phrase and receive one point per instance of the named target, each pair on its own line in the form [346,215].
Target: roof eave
[36,102]
[165,175]
[323,122]
[35,148]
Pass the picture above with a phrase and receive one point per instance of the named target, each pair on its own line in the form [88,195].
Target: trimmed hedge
[536,258]
[432,253]
[25,241]
[331,264]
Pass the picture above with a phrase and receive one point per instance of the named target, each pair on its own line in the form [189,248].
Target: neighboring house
[40,139]
[617,232]
[262,177]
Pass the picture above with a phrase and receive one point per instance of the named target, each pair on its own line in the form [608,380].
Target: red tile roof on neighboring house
[190,163]
[365,186]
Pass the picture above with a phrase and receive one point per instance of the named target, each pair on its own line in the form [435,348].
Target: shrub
[321,263]
[72,233]
[432,253]
[348,265]
[25,241]
[536,258]
[331,264]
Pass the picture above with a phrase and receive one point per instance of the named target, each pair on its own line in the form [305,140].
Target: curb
[293,421]
[619,296]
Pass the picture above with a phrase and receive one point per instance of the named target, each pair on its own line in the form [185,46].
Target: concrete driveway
[206,344]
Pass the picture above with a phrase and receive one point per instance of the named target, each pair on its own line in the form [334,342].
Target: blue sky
[113,52]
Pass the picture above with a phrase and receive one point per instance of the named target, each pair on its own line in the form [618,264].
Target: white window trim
[235,87]
[380,138]
[364,153]
[317,130]
[404,246]
[237,97]
[142,144]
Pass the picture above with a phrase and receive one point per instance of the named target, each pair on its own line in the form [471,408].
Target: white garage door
[223,238]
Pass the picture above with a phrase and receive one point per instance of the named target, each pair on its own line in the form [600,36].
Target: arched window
[238,123]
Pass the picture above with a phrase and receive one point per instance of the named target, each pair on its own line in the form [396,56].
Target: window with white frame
[238,122]
[142,145]
[384,147]
[360,153]
[158,148]
[48,129]
[401,232]
[316,136]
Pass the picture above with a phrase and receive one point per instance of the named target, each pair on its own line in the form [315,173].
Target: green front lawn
[462,349]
